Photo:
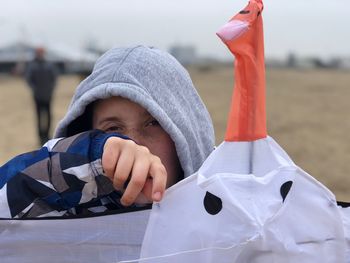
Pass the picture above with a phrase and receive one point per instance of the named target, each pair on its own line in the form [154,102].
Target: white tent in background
[75,60]
[69,59]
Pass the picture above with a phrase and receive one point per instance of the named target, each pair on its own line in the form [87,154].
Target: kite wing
[107,238]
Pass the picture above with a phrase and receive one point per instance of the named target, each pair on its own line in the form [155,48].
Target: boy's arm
[62,174]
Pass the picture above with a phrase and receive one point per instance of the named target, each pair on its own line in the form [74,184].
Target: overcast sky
[307,27]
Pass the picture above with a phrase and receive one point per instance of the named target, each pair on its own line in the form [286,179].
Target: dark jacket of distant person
[41,76]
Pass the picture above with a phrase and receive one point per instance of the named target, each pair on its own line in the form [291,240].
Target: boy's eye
[112,129]
[153,123]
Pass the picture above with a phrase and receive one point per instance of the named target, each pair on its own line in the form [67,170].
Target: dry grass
[307,115]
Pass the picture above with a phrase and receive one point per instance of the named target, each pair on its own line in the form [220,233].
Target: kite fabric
[248,203]
[102,239]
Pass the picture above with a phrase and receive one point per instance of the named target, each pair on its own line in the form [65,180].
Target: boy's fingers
[147,189]
[159,175]
[124,166]
[110,157]
[124,160]
[137,181]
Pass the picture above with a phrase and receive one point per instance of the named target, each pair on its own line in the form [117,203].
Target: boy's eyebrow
[116,119]
[111,118]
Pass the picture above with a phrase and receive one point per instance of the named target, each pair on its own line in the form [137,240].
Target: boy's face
[117,114]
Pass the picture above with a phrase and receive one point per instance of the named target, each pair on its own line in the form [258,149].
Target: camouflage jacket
[64,177]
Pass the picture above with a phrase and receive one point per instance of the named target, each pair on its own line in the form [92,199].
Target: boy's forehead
[120,106]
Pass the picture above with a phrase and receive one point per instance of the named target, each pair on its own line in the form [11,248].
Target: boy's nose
[135,135]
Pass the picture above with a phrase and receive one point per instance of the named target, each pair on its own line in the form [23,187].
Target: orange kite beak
[243,35]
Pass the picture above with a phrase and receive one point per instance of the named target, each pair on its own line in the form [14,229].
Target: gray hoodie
[156,81]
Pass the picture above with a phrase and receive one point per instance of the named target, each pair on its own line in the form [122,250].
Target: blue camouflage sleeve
[64,173]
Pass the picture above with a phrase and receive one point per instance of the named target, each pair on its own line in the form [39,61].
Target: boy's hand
[124,160]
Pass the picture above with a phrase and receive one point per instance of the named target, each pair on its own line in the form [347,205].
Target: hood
[156,81]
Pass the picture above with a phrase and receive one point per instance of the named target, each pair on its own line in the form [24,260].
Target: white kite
[248,203]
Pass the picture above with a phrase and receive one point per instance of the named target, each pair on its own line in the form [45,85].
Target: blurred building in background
[310,62]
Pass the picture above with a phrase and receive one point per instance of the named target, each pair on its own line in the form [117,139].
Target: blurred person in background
[41,76]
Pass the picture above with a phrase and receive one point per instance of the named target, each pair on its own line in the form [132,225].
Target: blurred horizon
[313,28]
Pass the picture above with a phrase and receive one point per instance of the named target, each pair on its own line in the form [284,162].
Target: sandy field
[307,114]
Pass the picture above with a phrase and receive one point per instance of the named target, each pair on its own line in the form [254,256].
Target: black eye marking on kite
[212,203]
[244,12]
[343,204]
[285,189]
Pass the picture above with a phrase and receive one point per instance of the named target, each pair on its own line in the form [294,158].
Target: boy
[137,93]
